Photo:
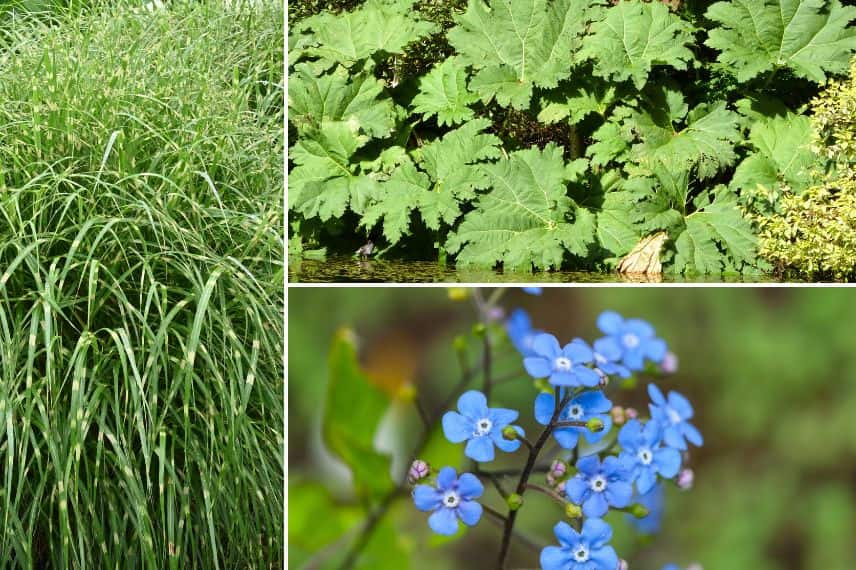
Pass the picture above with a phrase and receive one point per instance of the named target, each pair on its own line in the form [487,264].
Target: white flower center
[599,358]
[451,499]
[630,340]
[562,364]
[645,456]
[483,427]
[598,484]
[674,417]
[574,412]
[581,553]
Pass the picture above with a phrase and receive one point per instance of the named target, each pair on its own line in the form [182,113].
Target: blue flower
[480,426]
[672,415]
[654,501]
[582,408]
[520,331]
[587,550]
[640,447]
[452,499]
[607,357]
[599,486]
[532,290]
[563,366]
[635,337]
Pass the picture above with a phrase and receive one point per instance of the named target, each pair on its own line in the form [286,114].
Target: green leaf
[707,141]
[575,100]
[378,26]
[610,144]
[522,221]
[782,154]
[520,44]
[634,37]
[356,99]
[722,224]
[443,92]
[323,183]
[310,502]
[352,411]
[809,37]
[451,160]
[615,226]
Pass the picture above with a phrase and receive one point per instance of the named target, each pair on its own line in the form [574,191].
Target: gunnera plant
[141,396]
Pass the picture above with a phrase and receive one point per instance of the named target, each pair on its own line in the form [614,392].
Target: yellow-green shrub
[814,233]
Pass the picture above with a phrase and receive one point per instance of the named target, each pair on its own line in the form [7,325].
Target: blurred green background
[771,373]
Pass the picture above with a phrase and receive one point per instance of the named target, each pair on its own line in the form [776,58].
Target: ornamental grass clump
[141,252]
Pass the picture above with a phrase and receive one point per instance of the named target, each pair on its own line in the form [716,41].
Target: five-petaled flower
[520,331]
[608,356]
[563,366]
[452,499]
[586,550]
[672,415]
[640,447]
[582,408]
[481,427]
[598,486]
[635,337]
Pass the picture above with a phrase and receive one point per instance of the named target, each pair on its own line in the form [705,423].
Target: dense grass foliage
[555,134]
[141,289]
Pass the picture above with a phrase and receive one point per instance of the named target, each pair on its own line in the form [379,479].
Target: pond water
[344,269]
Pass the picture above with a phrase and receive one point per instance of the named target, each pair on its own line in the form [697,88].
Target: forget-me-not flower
[635,337]
[640,447]
[672,415]
[562,366]
[452,499]
[607,357]
[532,290]
[598,486]
[586,550]
[520,331]
[481,427]
[582,408]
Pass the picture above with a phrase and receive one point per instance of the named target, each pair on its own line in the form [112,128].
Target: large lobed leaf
[517,45]
[379,26]
[634,37]
[782,154]
[718,225]
[443,92]
[449,177]
[523,220]
[706,141]
[357,99]
[809,37]
[324,182]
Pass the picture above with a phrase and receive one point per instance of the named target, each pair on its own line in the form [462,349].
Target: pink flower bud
[669,364]
[418,471]
[560,488]
[617,413]
[558,468]
[631,413]
[551,481]
[685,479]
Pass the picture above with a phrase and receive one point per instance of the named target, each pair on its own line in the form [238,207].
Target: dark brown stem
[524,478]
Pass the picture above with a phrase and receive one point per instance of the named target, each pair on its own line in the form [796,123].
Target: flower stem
[550,493]
[524,479]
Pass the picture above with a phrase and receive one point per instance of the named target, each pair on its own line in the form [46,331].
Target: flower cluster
[596,469]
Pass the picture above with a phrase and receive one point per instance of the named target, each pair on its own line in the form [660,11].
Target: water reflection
[342,269]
